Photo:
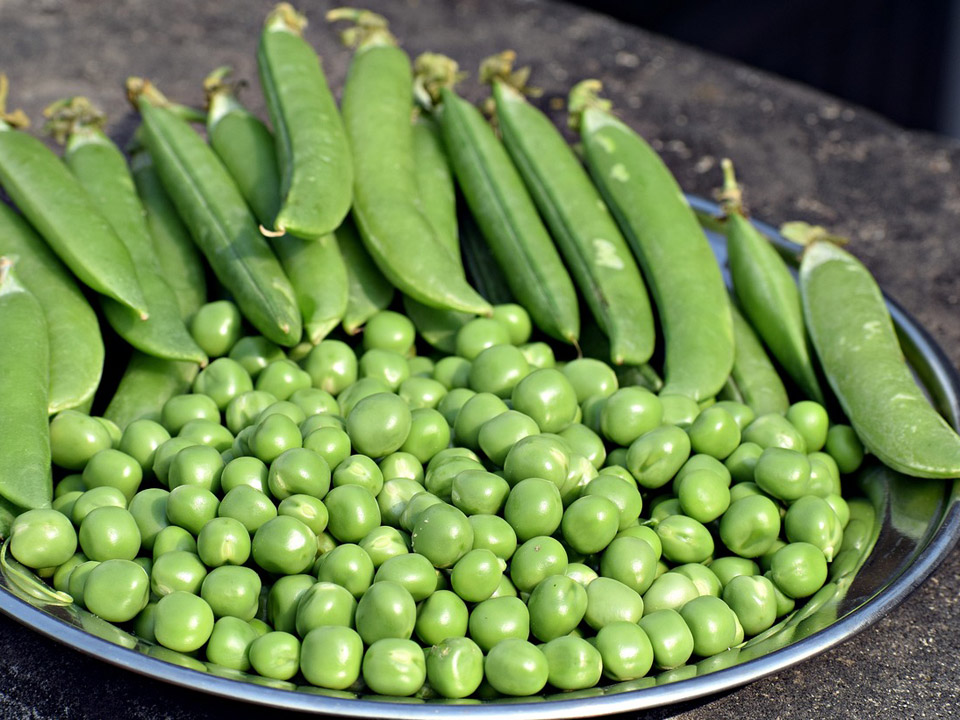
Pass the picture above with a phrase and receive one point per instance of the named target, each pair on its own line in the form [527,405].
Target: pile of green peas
[494,522]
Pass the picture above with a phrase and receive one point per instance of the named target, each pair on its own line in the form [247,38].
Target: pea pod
[102,171]
[592,245]
[368,291]
[315,267]
[438,327]
[753,374]
[377,105]
[25,475]
[766,291]
[481,267]
[438,193]
[316,170]
[222,227]
[73,333]
[663,232]
[858,349]
[147,383]
[508,219]
[55,204]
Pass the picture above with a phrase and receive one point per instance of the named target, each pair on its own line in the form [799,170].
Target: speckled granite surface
[800,154]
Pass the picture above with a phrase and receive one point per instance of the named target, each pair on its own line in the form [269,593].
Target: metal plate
[919,523]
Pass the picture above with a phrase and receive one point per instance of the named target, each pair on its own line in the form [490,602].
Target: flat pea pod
[177,257]
[316,170]
[53,201]
[438,193]
[480,265]
[592,245]
[663,232]
[438,327]
[767,292]
[25,470]
[147,383]
[73,333]
[245,146]
[368,291]
[222,226]
[858,349]
[508,219]
[754,376]
[377,105]
[101,168]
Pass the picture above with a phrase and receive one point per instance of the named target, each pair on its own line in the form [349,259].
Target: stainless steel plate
[917,524]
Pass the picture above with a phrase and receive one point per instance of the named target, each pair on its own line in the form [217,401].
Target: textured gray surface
[800,154]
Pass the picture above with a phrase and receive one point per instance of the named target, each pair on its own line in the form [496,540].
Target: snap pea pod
[368,291]
[147,383]
[508,219]
[438,193]
[73,333]
[220,222]
[377,106]
[481,267]
[314,267]
[592,245]
[663,232]
[55,204]
[753,374]
[438,327]
[102,171]
[767,292]
[861,357]
[177,256]
[25,470]
[316,170]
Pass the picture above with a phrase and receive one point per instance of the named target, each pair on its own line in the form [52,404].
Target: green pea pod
[508,219]
[315,267]
[377,105]
[25,469]
[315,166]
[53,201]
[753,374]
[861,357]
[676,259]
[73,332]
[177,256]
[368,291]
[767,292]
[591,243]
[102,171]
[147,383]
[437,327]
[221,224]
[438,193]
[481,267]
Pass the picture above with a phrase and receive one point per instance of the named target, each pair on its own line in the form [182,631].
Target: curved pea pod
[221,224]
[438,192]
[592,245]
[508,219]
[147,383]
[368,291]
[315,166]
[662,230]
[25,469]
[767,292]
[438,328]
[377,105]
[480,265]
[73,332]
[177,257]
[753,374]
[314,267]
[53,201]
[861,357]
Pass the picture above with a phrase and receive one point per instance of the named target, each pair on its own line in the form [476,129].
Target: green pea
[253,353]
[533,508]
[331,444]
[703,578]
[782,473]
[361,471]
[703,495]
[645,533]
[386,610]
[75,438]
[448,454]
[105,533]
[773,430]
[623,494]
[516,320]
[712,623]
[298,471]
[393,497]
[140,440]
[232,591]
[273,436]
[655,457]
[745,489]
[811,421]
[223,380]
[574,664]
[216,327]
[479,334]
[383,543]
[244,409]
[401,465]
[386,365]
[631,561]
[715,432]
[798,569]
[625,650]
[453,372]
[476,575]
[421,366]
[538,456]
[281,378]
[61,577]
[497,370]
[455,667]
[750,526]
[208,432]
[443,534]
[394,667]
[182,621]
[476,411]
[332,366]
[477,492]
[181,409]
[284,545]
[45,538]
[411,571]
[441,616]
[429,434]
[679,410]
[591,378]
[421,392]
[845,448]
[191,507]
[229,643]
[307,509]
[198,465]
[353,512]
[824,475]
[172,539]
[609,601]
[177,571]
[251,507]
[440,476]
[629,413]
[584,441]
[684,539]
[670,638]
[547,396]
[324,604]
[331,656]
[742,462]
[812,520]
[664,506]
[493,533]
[516,667]
[701,462]
[536,559]
[840,507]
[348,565]
[670,591]
[222,541]
[590,523]
[388,330]
[539,355]
[275,655]
[68,484]
[752,598]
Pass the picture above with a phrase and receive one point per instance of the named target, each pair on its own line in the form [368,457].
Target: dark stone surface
[801,155]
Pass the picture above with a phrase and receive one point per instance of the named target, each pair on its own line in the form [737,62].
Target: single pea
[516,667]
[536,559]
[516,320]
[393,497]
[783,473]
[533,508]
[703,578]
[253,353]
[450,453]
[712,623]
[332,366]
[383,543]
[105,533]
[766,560]
[443,534]
[453,372]
[773,430]
[715,432]
[742,462]
[752,598]
[704,496]
[455,667]
[386,610]
[229,643]
[655,457]
[811,421]
[493,533]
[283,598]
[417,504]
[679,410]
[198,465]
[439,476]
[840,507]
[750,526]
[590,523]
[232,591]
[476,411]
[358,470]
[645,533]
[623,494]
[386,365]
[798,569]
[181,409]
[441,616]
[353,512]
[68,484]
[307,509]
[284,545]
[539,355]
[498,619]
[75,438]
[811,519]
[208,432]
[191,507]
[824,475]
[664,506]
[591,378]
[43,538]
[298,471]
[477,492]
[388,330]
[429,434]
[586,442]
[245,409]
[223,541]
[395,667]
[223,380]
[421,392]
[609,601]
[313,401]
[247,505]
[629,413]
[78,580]
[330,443]
[182,621]
[348,565]
[845,448]
[745,489]
[631,561]
[140,440]
[699,462]
[625,650]
[731,566]
[178,570]
[421,366]
[282,378]
[324,604]
[61,577]
[684,539]
[479,334]
[330,657]
[216,327]
[497,370]
[547,396]
[273,436]
[574,664]
[538,456]
[412,571]
[742,414]
[248,471]
[173,539]
[275,655]
[670,638]
[284,407]
[505,589]
[476,575]
[379,424]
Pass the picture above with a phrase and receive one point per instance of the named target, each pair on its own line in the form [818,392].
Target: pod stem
[585,94]
[285,18]
[432,73]
[368,29]
[731,196]
[73,116]
[13,119]
[499,68]
[221,94]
